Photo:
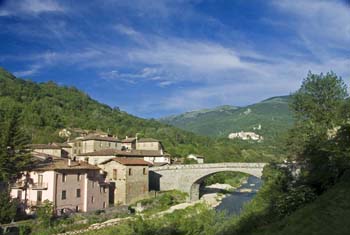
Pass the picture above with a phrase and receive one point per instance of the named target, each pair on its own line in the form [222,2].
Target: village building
[198,158]
[54,149]
[92,143]
[70,185]
[149,144]
[246,136]
[128,178]
[155,157]
[129,143]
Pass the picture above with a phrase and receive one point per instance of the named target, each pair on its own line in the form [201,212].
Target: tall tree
[13,140]
[318,108]
[317,104]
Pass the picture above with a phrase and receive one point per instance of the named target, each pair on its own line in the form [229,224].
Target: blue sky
[154,58]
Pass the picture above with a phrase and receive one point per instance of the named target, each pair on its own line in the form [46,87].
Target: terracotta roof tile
[130,153]
[128,140]
[44,146]
[143,140]
[49,162]
[103,138]
[129,161]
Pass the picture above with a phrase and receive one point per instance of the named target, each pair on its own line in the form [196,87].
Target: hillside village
[90,172]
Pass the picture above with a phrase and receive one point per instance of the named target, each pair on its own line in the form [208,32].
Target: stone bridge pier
[187,178]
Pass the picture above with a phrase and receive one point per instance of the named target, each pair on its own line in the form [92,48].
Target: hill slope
[273,115]
[329,214]
[47,108]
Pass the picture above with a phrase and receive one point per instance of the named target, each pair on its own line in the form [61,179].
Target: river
[234,202]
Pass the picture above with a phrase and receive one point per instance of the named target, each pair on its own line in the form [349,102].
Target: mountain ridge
[46,108]
[272,114]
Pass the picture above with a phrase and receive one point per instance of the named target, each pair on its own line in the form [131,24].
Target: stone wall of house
[128,188]
[148,146]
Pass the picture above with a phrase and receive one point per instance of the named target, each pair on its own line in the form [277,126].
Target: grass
[328,214]
[163,201]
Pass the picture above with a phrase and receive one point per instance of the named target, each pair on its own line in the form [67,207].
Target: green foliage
[196,220]
[234,179]
[328,214]
[272,114]
[13,139]
[45,214]
[8,207]
[47,108]
[319,111]
[163,201]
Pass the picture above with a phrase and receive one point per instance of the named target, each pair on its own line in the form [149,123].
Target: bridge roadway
[187,178]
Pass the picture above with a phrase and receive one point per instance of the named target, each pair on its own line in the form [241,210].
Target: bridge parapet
[210,165]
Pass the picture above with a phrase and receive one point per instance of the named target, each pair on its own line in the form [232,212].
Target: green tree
[45,213]
[318,108]
[317,104]
[8,208]
[13,140]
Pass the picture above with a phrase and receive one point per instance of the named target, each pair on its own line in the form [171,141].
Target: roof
[45,162]
[129,161]
[148,140]
[128,140]
[101,138]
[63,145]
[127,153]
[43,146]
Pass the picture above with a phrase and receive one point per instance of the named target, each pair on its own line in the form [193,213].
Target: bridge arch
[186,178]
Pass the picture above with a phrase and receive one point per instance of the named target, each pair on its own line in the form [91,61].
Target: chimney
[69,162]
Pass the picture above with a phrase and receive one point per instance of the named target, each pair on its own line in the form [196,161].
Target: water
[233,203]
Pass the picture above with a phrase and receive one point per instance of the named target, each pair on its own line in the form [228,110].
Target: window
[64,177]
[78,192]
[144,171]
[64,195]
[40,179]
[19,194]
[92,199]
[77,208]
[104,204]
[104,189]
[130,173]
[39,196]
[79,177]
[115,174]
[109,144]
[101,189]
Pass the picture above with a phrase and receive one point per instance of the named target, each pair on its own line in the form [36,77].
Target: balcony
[18,185]
[39,186]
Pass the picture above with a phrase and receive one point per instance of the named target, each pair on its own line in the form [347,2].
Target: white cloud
[193,55]
[30,7]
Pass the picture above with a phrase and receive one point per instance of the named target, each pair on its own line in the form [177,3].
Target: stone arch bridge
[187,178]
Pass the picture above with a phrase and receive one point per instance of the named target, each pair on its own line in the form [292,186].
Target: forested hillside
[47,108]
[268,118]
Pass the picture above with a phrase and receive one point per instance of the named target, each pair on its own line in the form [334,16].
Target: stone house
[53,149]
[149,144]
[128,178]
[129,143]
[71,186]
[92,143]
[152,156]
